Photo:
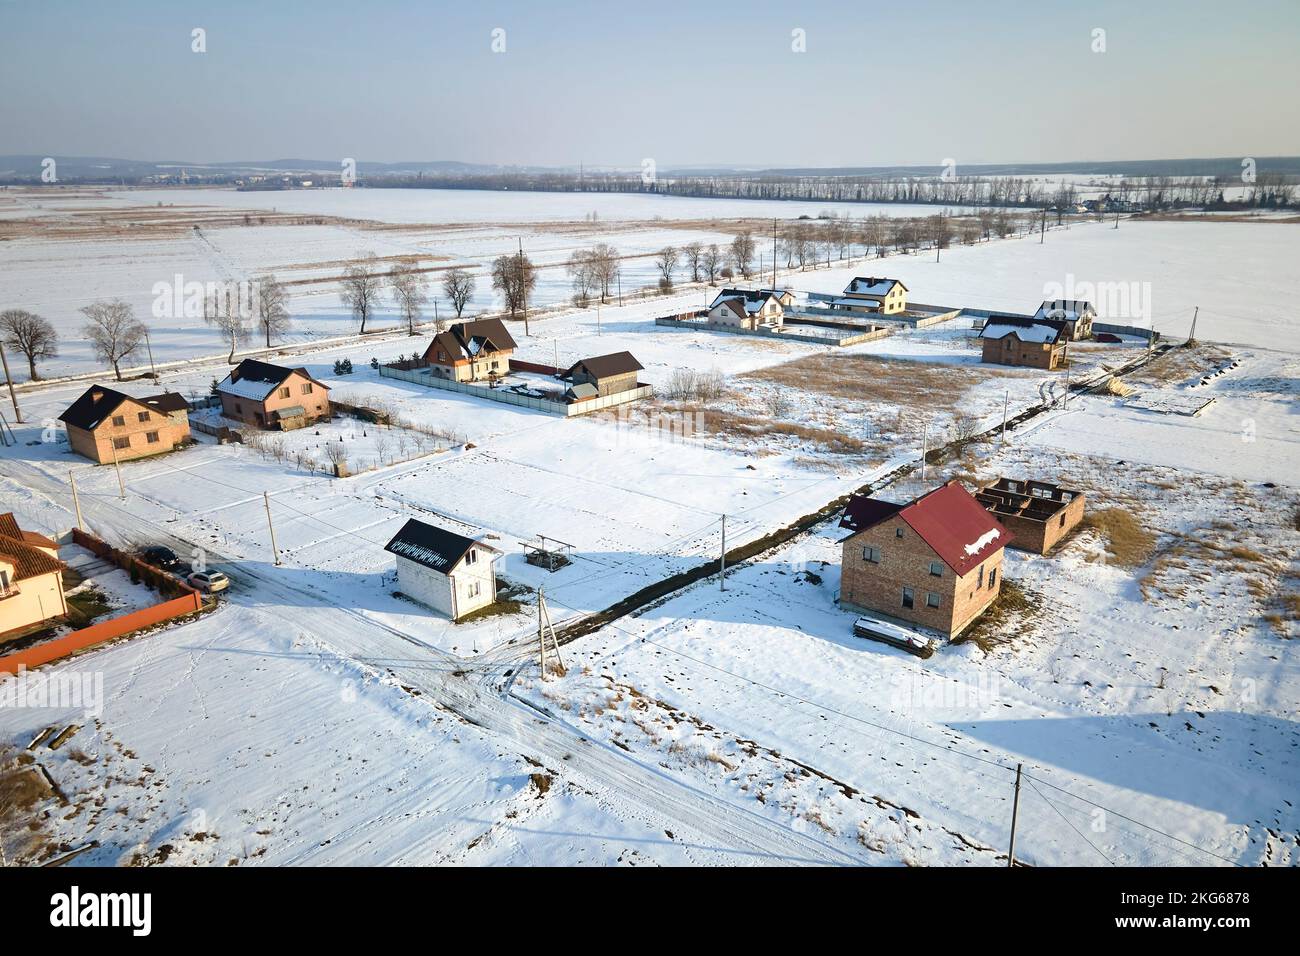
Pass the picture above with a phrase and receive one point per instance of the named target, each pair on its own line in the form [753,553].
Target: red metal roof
[956,526]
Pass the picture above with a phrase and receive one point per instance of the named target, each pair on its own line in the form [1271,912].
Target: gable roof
[433,547]
[20,549]
[603,366]
[467,340]
[256,380]
[955,526]
[871,285]
[1068,309]
[1026,330]
[97,403]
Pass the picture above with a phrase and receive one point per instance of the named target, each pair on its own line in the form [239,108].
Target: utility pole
[1067,373]
[774,256]
[1042,226]
[1015,812]
[543,625]
[1191,338]
[925,437]
[555,351]
[13,397]
[76,501]
[153,372]
[523,286]
[1116,218]
[121,488]
[620,288]
[275,552]
[1006,397]
[598,318]
[722,559]
[437,322]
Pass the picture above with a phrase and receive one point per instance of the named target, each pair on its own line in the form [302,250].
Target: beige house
[448,572]
[471,351]
[602,375]
[935,562]
[272,396]
[749,308]
[1032,343]
[1077,314]
[105,425]
[872,294]
[31,579]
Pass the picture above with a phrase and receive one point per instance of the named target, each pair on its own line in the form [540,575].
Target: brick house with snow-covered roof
[471,351]
[272,396]
[1016,340]
[934,562]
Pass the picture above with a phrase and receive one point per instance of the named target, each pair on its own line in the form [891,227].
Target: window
[898,532]
[151,437]
[284,392]
[119,420]
[981,577]
[474,589]
[472,557]
[306,388]
[123,442]
[909,598]
[931,599]
[993,578]
[142,416]
[871,554]
[1062,521]
[936,569]
[239,409]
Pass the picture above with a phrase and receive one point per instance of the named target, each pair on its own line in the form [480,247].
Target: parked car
[1107,337]
[209,581]
[160,556]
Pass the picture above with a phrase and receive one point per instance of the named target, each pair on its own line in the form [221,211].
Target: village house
[602,375]
[935,562]
[105,425]
[750,308]
[272,396]
[448,572]
[471,351]
[1033,343]
[1038,514]
[1077,314]
[31,579]
[871,294]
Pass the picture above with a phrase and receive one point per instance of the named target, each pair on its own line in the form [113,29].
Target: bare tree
[606,267]
[514,277]
[113,331]
[666,261]
[362,287]
[270,300]
[582,271]
[224,312]
[458,286]
[693,253]
[711,261]
[410,293]
[742,253]
[31,335]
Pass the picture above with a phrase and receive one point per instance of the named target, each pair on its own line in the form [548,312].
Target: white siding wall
[435,590]
[424,585]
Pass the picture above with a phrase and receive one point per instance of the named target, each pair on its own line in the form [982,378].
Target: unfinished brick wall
[905,562]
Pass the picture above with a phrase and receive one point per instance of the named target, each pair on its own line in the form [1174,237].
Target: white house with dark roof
[441,569]
[749,308]
[1077,314]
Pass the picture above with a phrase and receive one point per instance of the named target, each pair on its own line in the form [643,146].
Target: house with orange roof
[31,579]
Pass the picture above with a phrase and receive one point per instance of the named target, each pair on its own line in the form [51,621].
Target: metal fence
[422,376]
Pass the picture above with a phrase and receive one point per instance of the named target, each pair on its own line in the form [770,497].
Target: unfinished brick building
[1038,513]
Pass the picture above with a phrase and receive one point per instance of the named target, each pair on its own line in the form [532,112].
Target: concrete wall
[905,562]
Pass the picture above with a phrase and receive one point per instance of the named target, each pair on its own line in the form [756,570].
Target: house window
[239,409]
[474,589]
[306,388]
[284,392]
[931,599]
[936,569]
[119,420]
[981,577]
[1062,523]
[871,554]
[898,532]
[151,437]
[909,598]
[123,442]
[472,557]
[993,578]
[142,416]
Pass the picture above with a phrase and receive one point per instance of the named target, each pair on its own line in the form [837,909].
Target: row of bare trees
[365,282]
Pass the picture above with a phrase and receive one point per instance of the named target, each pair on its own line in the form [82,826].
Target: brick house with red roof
[935,562]
[31,579]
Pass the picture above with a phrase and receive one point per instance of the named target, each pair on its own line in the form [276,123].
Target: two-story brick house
[934,562]
[1032,343]
[106,425]
[272,396]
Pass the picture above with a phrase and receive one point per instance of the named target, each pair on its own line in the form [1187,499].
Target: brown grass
[1128,543]
[1013,615]
[1179,364]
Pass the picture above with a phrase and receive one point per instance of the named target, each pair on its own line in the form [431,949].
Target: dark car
[161,556]
[1107,337]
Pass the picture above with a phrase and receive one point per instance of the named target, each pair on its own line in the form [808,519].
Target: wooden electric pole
[76,501]
[523,284]
[1006,397]
[13,397]
[722,558]
[925,437]
[1015,812]
[117,466]
[544,625]
[275,552]
[1191,338]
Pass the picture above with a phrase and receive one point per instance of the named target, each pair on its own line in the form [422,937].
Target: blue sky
[681,82]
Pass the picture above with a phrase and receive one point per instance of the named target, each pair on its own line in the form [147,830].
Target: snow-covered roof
[256,380]
[871,285]
[1040,331]
[1068,309]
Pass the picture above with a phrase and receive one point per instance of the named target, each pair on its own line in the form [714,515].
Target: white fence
[423,376]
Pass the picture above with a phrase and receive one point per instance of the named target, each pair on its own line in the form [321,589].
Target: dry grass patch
[1180,364]
[1128,543]
[872,379]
